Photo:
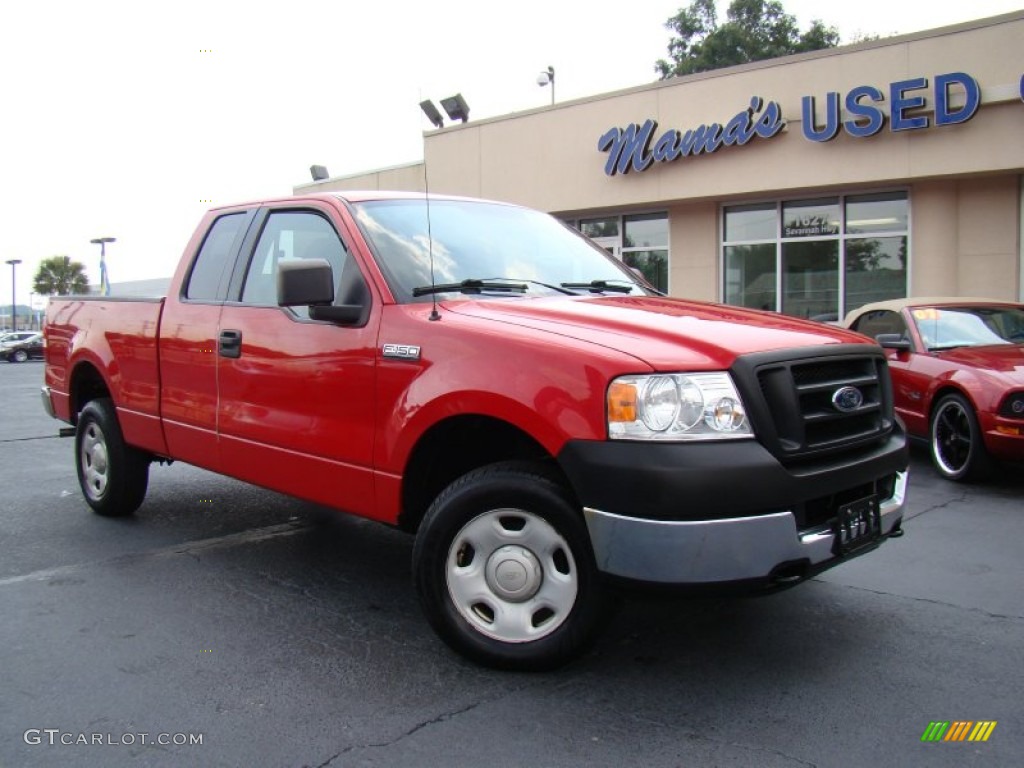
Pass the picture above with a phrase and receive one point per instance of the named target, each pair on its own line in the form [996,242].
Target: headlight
[676,406]
[1013,406]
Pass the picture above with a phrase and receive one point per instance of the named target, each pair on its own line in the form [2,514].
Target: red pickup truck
[480,374]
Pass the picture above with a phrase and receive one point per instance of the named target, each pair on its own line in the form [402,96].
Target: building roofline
[358,174]
[752,66]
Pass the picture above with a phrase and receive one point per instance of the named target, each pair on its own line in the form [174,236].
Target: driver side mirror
[310,282]
[893,341]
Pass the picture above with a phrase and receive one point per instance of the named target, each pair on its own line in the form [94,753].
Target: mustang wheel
[113,476]
[504,569]
[957,448]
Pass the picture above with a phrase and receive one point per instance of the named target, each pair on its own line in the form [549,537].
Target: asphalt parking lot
[283,635]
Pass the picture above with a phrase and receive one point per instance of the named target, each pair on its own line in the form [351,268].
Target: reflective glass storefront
[817,257]
[639,240]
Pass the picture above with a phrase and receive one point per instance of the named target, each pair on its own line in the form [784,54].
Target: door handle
[230,344]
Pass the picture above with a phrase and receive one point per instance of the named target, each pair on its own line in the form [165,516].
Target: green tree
[756,30]
[60,276]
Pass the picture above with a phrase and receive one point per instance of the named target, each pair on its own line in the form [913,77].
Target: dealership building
[809,185]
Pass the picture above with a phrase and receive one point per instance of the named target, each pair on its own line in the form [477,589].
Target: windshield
[477,245]
[951,327]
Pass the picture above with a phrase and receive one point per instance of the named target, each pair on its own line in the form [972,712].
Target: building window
[817,258]
[640,241]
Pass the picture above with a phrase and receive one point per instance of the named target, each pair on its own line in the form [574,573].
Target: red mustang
[958,376]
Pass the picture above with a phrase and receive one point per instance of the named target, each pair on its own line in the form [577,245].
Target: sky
[130,119]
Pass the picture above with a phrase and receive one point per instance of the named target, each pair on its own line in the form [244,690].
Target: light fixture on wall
[432,114]
[456,107]
[319,172]
[547,77]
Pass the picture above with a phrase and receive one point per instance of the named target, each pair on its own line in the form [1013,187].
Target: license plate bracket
[857,524]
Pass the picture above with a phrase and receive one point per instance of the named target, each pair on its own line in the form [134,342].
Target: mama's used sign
[638,146]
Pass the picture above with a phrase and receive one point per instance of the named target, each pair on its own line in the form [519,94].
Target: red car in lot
[957,367]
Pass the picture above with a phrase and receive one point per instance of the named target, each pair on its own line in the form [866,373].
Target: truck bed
[118,336]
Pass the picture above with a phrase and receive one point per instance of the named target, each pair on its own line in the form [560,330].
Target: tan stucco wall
[693,246]
[549,158]
[965,237]
[964,180]
[988,241]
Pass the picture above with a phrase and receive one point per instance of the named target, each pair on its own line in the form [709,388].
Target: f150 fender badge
[847,399]
[401,351]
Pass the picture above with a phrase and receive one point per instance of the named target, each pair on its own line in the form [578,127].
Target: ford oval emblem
[847,399]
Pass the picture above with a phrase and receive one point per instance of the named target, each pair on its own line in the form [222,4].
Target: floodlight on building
[319,172]
[547,77]
[456,107]
[432,114]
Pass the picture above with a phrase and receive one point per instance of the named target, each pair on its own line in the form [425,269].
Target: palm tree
[60,276]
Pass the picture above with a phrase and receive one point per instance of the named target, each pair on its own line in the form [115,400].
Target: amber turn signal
[621,402]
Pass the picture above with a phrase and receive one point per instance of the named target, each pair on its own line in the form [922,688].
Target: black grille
[798,408]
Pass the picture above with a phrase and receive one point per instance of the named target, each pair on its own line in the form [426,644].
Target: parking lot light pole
[14,304]
[104,277]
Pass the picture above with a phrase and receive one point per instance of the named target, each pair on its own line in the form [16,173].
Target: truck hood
[667,334]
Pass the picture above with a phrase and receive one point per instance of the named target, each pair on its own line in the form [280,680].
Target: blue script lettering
[629,148]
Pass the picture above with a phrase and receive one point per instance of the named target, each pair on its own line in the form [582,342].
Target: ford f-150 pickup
[482,375]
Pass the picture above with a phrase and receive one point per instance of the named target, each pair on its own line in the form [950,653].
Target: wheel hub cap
[514,573]
[94,462]
[99,459]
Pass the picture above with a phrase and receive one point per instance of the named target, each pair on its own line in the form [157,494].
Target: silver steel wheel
[511,575]
[952,437]
[20,356]
[95,465]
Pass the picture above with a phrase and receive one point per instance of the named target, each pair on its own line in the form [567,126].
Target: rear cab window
[212,266]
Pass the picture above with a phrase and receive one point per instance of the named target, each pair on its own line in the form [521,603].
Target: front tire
[113,476]
[19,356]
[504,569]
[957,446]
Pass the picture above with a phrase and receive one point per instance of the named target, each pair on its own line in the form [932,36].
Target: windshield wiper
[599,286]
[948,346]
[471,286]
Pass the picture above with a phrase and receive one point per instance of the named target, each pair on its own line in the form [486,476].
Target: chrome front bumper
[717,551]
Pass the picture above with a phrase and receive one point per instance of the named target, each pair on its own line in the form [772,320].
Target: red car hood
[1006,361]
[668,334]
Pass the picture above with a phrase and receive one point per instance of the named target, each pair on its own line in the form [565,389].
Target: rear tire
[19,356]
[505,571]
[955,439]
[113,476]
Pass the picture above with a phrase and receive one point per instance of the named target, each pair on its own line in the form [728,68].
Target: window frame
[842,237]
[248,252]
[230,264]
[617,243]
